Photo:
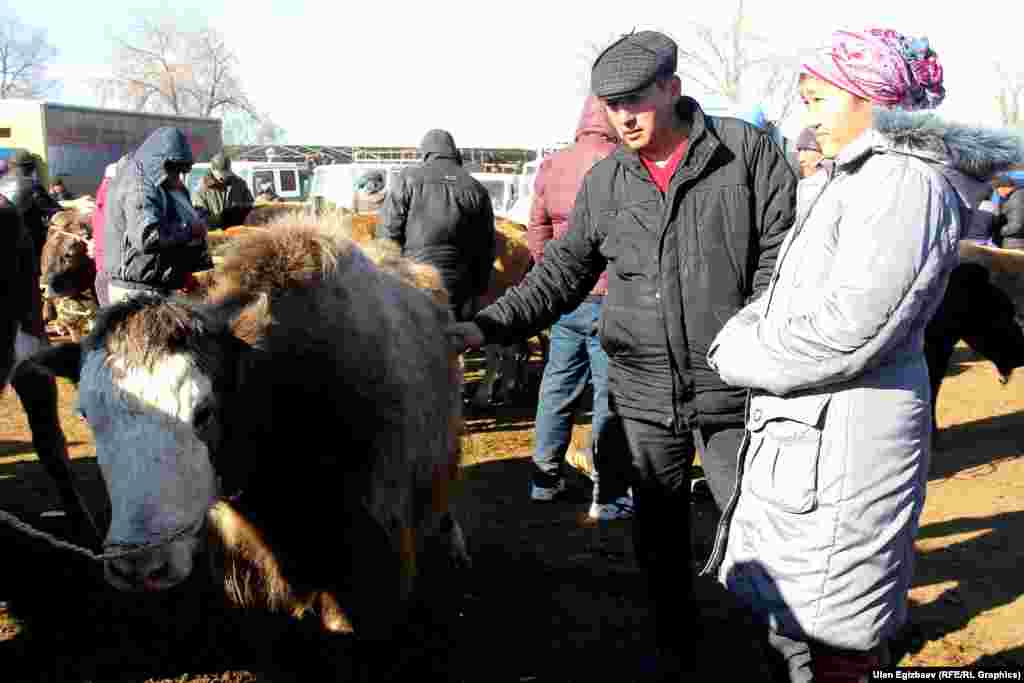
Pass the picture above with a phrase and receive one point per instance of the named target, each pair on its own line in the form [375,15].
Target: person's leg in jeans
[562,385]
[661,458]
[721,451]
[613,485]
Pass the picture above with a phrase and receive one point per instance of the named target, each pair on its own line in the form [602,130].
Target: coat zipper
[717,555]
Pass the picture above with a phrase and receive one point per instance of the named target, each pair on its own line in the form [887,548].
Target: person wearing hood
[442,216]
[819,537]
[154,239]
[575,357]
[223,197]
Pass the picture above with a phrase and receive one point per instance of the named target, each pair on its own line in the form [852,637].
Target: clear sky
[496,74]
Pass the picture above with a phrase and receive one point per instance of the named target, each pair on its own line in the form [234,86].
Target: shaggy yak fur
[336,424]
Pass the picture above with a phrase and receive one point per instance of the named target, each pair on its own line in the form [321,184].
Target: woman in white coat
[818,538]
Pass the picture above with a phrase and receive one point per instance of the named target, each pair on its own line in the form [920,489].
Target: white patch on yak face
[157,470]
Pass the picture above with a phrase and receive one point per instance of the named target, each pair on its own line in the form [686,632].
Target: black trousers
[659,472]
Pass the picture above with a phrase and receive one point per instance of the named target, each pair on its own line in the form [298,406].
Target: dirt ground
[550,597]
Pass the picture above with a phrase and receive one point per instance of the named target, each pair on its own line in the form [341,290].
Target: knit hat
[808,140]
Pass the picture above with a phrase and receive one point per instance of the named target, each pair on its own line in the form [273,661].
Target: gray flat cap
[632,63]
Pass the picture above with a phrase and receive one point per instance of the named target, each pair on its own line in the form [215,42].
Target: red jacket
[560,177]
[97,222]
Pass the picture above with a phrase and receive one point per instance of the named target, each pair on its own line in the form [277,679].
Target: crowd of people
[777,328]
[788,317]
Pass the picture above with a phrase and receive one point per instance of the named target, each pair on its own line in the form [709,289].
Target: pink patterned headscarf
[882,66]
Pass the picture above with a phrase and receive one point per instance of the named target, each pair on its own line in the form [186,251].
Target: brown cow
[505,371]
[68,275]
[314,385]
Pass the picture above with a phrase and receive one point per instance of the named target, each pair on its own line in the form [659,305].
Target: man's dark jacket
[679,264]
[442,216]
[226,202]
[147,244]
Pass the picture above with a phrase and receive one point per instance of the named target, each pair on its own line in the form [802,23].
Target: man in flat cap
[687,215]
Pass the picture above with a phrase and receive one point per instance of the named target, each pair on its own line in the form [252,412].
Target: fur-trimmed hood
[967,156]
[973,150]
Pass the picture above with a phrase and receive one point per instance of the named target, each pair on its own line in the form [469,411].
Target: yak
[300,428]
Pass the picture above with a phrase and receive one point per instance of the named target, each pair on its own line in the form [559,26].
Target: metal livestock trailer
[77,143]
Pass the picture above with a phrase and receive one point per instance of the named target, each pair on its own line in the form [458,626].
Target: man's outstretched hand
[463,336]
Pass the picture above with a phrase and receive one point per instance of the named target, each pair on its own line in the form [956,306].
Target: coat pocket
[786,443]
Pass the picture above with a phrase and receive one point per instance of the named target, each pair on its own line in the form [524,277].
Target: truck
[76,143]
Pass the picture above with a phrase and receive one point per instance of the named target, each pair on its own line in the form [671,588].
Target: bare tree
[587,55]
[165,68]
[729,62]
[1011,95]
[739,65]
[24,57]
[248,128]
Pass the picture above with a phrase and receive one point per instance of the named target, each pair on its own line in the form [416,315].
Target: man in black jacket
[442,216]
[687,216]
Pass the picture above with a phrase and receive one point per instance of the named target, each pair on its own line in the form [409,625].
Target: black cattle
[982,315]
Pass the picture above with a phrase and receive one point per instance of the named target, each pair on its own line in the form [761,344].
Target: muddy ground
[550,598]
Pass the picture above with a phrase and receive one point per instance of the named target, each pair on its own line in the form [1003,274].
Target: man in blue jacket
[154,239]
